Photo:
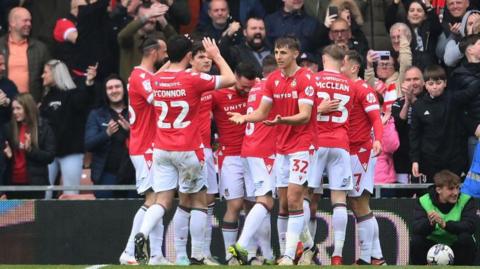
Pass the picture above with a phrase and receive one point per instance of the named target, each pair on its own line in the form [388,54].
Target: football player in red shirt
[290,90]
[142,134]
[332,154]
[258,153]
[363,151]
[177,154]
[234,184]
[200,63]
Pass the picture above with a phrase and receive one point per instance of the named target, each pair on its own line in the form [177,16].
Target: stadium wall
[95,232]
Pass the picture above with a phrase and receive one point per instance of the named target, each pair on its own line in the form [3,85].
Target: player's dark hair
[177,48]
[289,42]
[434,72]
[197,48]
[148,44]
[335,52]
[246,70]
[446,178]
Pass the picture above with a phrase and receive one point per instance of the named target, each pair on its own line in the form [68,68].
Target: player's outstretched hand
[236,118]
[275,121]
[211,48]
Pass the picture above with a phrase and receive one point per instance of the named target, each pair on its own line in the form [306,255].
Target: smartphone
[332,10]
[384,54]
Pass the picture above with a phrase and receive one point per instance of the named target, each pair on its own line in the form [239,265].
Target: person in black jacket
[466,78]
[444,216]
[425,27]
[106,133]
[29,147]
[437,137]
[8,91]
[412,88]
[65,106]
[254,49]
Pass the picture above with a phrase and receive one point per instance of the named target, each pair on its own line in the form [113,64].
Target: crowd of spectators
[60,55]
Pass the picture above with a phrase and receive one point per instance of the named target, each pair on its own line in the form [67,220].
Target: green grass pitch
[211,267]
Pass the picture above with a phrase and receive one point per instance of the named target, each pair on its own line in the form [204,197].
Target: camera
[332,10]
[384,54]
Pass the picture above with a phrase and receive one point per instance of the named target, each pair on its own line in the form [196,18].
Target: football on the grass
[440,254]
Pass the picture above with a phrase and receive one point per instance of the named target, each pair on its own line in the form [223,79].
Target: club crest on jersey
[294,83]
[309,91]
[371,98]
[276,83]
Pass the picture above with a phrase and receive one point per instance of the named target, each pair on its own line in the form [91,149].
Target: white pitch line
[98,266]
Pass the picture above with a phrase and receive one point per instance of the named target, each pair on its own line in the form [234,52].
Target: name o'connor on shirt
[170,93]
[234,107]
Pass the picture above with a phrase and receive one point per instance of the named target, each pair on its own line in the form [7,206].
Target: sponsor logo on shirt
[234,107]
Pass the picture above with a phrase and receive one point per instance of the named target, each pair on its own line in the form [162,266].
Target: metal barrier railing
[378,187]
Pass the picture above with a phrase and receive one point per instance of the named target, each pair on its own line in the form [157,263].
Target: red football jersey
[205,118]
[286,93]
[259,140]
[332,128]
[365,115]
[141,112]
[230,135]
[177,100]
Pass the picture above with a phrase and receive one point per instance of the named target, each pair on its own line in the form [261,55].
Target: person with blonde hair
[66,105]
[29,147]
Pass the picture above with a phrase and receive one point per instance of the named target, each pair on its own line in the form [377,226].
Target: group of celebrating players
[277,137]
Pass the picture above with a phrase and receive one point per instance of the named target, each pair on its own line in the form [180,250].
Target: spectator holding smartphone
[342,26]
[386,75]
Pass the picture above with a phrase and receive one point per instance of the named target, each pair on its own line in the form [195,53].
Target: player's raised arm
[227,78]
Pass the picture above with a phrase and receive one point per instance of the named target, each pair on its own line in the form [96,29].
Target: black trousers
[464,249]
